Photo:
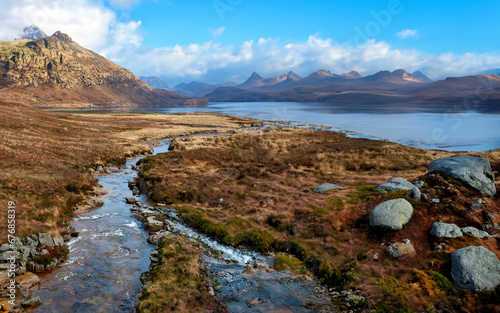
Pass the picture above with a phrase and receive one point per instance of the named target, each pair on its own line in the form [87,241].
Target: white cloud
[88,22]
[218,31]
[407,33]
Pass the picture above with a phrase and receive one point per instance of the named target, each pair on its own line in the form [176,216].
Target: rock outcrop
[56,69]
[475,268]
[396,184]
[445,230]
[473,171]
[326,187]
[392,214]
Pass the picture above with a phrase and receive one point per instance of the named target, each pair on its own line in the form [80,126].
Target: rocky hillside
[56,70]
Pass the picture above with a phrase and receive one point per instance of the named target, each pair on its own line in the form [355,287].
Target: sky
[218,41]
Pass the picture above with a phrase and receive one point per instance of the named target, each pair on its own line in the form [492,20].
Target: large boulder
[397,184]
[473,171]
[475,268]
[445,230]
[392,214]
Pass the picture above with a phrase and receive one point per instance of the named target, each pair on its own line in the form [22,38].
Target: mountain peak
[324,73]
[33,32]
[62,36]
[351,75]
[400,73]
[255,76]
[420,76]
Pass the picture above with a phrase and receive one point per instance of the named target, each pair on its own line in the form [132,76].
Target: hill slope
[57,71]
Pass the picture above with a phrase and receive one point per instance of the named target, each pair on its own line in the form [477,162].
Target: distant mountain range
[55,70]
[398,86]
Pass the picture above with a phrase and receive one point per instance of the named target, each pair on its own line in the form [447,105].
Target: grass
[45,157]
[266,179]
[176,284]
[284,262]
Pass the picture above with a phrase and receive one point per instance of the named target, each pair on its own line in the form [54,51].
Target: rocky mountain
[33,32]
[255,81]
[57,71]
[197,89]
[155,82]
[383,87]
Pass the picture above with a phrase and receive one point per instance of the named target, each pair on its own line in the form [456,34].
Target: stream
[102,273]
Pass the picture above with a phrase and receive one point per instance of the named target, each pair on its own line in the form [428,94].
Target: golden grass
[266,178]
[44,156]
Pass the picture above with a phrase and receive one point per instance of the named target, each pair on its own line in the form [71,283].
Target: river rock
[475,268]
[392,214]
[475,232]
[31,303]
[326,187]
[153,225]
[445,230]
[45,240]
[58,241]
[5,247]
[396,184]
[130,200]
[474,171]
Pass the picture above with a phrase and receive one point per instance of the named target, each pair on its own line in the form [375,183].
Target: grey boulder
[474,171]
[475,232]
[326,187]
[445,230]
[475,268]
[396,184]
[392,214]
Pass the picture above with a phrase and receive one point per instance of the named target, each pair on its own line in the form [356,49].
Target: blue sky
[442,26]
[226,40]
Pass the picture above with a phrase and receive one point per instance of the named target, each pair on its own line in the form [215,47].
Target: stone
[397,184]
[5,247]
[419,184]
[31,266]
[39,268]
[45,240]
[153,225]
[326,187]
[473,171]
[489,218]
[392,214]
[445,230]
[400,249]
[478,203]
[436,201]
[44,252]
[59,241]
[66,238]
[475,232]
[130,200]
[475,268]
[31,303]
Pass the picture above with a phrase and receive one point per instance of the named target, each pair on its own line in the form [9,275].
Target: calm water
[427,126]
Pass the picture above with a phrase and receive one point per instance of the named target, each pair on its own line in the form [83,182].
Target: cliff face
[56,70]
